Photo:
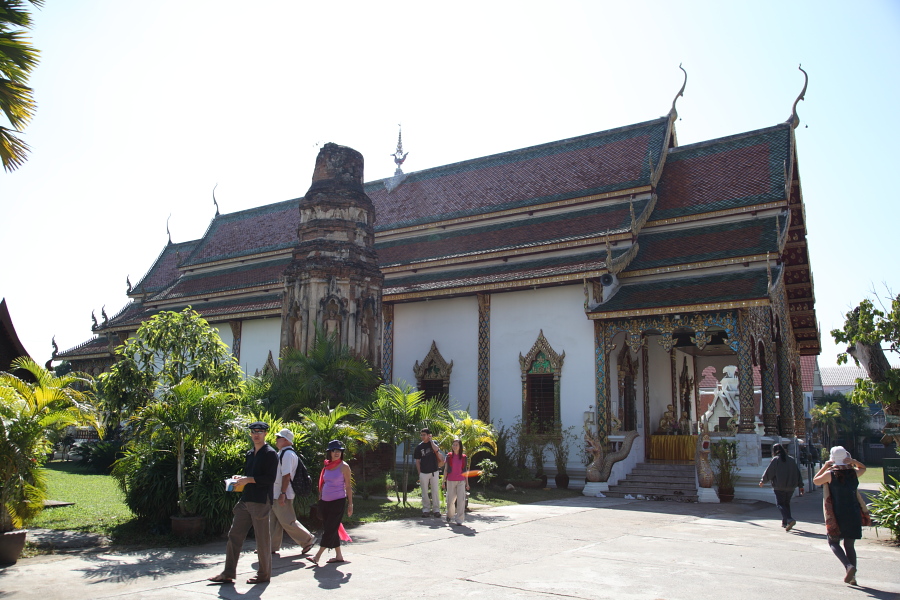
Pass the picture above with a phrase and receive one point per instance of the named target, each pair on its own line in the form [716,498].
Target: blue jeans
[783,501]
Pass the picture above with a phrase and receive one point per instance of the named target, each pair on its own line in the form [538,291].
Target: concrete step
[651,496]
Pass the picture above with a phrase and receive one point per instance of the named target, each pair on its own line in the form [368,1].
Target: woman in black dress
[843,519]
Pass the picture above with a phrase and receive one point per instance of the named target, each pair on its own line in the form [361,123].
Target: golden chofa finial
[794,120]
[680,93]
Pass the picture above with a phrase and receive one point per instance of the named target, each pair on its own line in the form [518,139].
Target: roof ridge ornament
[169,233]
[794,120]
[680,93]
[633,220]
[399,157]
[214,198]
[128,283]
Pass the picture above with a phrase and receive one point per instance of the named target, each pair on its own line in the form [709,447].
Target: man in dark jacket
[785,476]
[253,508]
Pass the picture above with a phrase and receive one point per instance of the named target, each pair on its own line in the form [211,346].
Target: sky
[145,107]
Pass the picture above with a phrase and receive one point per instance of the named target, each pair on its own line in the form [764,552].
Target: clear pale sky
[144,106]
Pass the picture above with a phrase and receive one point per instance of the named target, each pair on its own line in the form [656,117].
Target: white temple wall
[517,319]
[258,338]
[453,325]
[224,330]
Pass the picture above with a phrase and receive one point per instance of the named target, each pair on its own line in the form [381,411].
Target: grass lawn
[872,475]
[99,503]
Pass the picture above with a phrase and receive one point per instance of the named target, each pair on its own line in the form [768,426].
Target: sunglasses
[257,431]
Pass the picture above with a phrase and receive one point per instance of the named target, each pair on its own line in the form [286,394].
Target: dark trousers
[332,513]
[783,501]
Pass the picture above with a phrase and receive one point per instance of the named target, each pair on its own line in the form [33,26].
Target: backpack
[301,482]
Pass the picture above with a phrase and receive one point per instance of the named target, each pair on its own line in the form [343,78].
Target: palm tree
[827,417]
[18,58]
[187,416]
[397,414]
[29,413]
[339,423]
[475,435]
[328,375]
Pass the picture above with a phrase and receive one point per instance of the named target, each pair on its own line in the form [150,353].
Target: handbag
[864,514]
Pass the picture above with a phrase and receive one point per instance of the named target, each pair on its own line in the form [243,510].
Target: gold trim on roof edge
[717,213]
[687,308]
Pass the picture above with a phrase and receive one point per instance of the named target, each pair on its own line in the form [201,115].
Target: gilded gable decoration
[541,359]
[433,366]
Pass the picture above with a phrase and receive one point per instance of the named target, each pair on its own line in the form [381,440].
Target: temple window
[541,370]
[433,374]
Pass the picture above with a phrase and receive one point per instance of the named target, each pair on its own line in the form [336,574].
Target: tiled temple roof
[726,173]
[227,279]
[138,313]
[165,270]
[266,228]
[723,241]
[687,293]
[598,163]
[95,345]
[510,235]
[508,272]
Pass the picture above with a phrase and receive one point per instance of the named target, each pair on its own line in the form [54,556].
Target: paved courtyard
[577,548]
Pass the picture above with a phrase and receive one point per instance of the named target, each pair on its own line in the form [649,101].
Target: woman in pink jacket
[456,482]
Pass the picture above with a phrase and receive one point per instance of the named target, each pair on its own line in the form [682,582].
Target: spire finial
[399,155]
[214,199]
[794,120]
[169,233]
[680,93]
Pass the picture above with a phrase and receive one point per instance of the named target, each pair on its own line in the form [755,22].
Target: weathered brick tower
[333,279]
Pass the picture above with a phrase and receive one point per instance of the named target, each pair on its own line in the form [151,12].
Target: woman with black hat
[335,493]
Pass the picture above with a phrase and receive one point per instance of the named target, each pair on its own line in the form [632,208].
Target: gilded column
[387,351]
[784,391]
[601,378]
[645,380]
[799,413]
[484,357]
[767,370]
[236,344]
[745,375]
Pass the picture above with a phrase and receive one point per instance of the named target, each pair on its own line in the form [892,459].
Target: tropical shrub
[885,508]
[723,458]
[99,456]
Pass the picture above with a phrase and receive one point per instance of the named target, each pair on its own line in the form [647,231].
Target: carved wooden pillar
[745,374]
[484,357]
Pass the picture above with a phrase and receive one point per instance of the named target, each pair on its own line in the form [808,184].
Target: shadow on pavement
[154,564]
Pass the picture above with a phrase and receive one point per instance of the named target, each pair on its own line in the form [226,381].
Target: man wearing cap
[428,462]
[260,469]
[283,517]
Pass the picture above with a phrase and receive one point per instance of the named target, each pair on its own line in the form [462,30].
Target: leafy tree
[866,329]
[339,423]
[328,375]
[397,414]
[166,349]
[475,435]
[18,58]
[853,423]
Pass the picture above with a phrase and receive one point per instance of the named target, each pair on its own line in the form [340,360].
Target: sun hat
[839,455]
[286,434]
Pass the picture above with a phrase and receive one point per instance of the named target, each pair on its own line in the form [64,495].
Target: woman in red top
[456,483]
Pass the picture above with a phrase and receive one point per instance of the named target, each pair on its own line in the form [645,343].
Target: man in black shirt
[253,508]
[428,462]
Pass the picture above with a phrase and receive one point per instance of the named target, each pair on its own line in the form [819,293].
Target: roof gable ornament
[399,157]
[674,113]
[169,233]
[214,199]
[794,120]
[94,319]
[633,219]
[55,347]
[128,283]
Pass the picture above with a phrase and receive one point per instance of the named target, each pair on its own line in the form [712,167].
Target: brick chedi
[333,278]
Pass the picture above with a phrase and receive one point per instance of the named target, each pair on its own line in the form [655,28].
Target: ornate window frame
[542,360]
[433,366]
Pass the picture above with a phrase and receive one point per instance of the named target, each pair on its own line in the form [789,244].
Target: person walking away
[456,482]
[260,468]
[428,463]
[839,478]
[784,473]
[335,492]
[283,518]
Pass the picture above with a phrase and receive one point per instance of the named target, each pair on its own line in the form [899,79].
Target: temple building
[592,282]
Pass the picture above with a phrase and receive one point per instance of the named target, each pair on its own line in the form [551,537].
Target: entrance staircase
[658,481]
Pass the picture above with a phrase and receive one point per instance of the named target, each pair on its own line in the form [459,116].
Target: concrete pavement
[576,548]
